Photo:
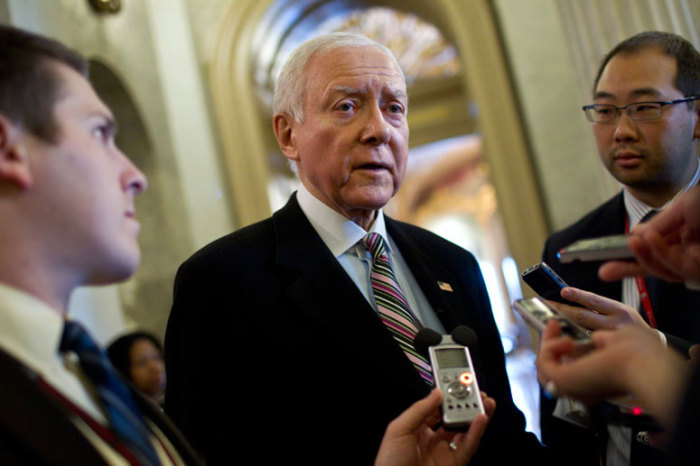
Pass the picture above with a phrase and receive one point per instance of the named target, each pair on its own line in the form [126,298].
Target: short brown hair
[29,85]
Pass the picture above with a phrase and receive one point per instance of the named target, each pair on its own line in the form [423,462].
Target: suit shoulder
[606,219]
[250,240]
[431,242]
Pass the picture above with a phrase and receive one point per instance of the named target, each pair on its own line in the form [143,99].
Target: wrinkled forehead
[354,68]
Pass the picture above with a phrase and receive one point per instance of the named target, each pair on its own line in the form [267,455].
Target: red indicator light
[637,411]
[466,378]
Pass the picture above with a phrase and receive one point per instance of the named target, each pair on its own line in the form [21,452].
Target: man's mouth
[626,158]
[373,166]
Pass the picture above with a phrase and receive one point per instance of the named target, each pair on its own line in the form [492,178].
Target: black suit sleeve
[195,371]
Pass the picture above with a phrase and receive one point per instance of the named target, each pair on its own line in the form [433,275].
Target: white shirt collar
[30,330]
[637,209]
[337,232]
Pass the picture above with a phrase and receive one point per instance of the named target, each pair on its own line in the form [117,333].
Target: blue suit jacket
[316,375]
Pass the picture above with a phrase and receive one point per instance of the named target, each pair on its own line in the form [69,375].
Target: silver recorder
[454,376]
[538,313]
[597,249]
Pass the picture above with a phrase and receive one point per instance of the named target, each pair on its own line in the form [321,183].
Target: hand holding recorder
[441,429]
[411,440]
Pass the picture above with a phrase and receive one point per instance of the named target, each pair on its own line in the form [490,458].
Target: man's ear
[14,160]
[284,125]
[696,129]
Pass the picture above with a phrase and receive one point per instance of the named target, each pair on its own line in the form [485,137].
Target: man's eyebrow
[345,90]
[399,93]
[641,92]
[348,90]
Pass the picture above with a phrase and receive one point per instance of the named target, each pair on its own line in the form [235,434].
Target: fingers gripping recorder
[453,373]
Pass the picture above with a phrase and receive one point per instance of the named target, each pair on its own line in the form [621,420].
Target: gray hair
[290,87]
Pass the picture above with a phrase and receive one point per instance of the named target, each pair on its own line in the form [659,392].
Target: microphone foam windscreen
[425,338]
[464,335]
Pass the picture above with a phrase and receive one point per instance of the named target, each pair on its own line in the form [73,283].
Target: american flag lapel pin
[444,286]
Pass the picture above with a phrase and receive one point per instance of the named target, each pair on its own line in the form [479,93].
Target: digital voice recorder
[597,249]
[538,313]
[454,375]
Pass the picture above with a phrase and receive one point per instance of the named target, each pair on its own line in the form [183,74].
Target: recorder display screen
[451,358]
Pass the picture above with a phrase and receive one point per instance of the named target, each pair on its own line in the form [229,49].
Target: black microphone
[464,336]
[425,338]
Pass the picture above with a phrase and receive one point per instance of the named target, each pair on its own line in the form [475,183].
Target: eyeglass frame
[626,109]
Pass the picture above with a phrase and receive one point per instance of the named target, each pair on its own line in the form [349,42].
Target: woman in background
[139,357]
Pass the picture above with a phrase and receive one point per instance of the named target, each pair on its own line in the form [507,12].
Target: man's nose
[376,130]
[133,178]
[625,128]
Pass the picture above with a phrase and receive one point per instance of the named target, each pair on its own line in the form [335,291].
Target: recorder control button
[466,378]
[458,390]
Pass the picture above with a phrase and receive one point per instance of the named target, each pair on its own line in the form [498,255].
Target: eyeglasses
[638,111]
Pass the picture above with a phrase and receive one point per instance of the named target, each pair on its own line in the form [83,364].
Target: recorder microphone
[424,339]
[464,336]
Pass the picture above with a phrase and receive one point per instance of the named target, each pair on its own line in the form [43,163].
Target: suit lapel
[34,420]
[322,291]
[585,274]
[429,274]
[318,283]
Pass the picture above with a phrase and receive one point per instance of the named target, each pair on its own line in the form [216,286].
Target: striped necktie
[124,416]
[393,308]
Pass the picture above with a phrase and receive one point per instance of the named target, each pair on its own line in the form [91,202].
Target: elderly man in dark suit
[646,121]
[299,309]
[67,209]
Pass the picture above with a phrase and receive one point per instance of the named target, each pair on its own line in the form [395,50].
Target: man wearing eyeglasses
[646,120]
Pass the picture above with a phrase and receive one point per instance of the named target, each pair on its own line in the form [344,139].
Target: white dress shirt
[342,236]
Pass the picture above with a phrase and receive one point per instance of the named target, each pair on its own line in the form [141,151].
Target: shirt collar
[30,330]
[637,209]
[336,231]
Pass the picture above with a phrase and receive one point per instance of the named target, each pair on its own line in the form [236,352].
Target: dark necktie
[393,308]
[124,416]
[648,216]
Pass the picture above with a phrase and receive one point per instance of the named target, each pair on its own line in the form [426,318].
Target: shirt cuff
[692,285]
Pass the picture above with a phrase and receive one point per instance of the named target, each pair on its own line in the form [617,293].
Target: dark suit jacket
[677,312]
[316,377]
[35,428]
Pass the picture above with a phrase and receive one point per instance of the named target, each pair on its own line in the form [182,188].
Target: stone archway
[471,25]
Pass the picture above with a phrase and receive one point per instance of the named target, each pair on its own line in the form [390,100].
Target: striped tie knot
[375,245]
